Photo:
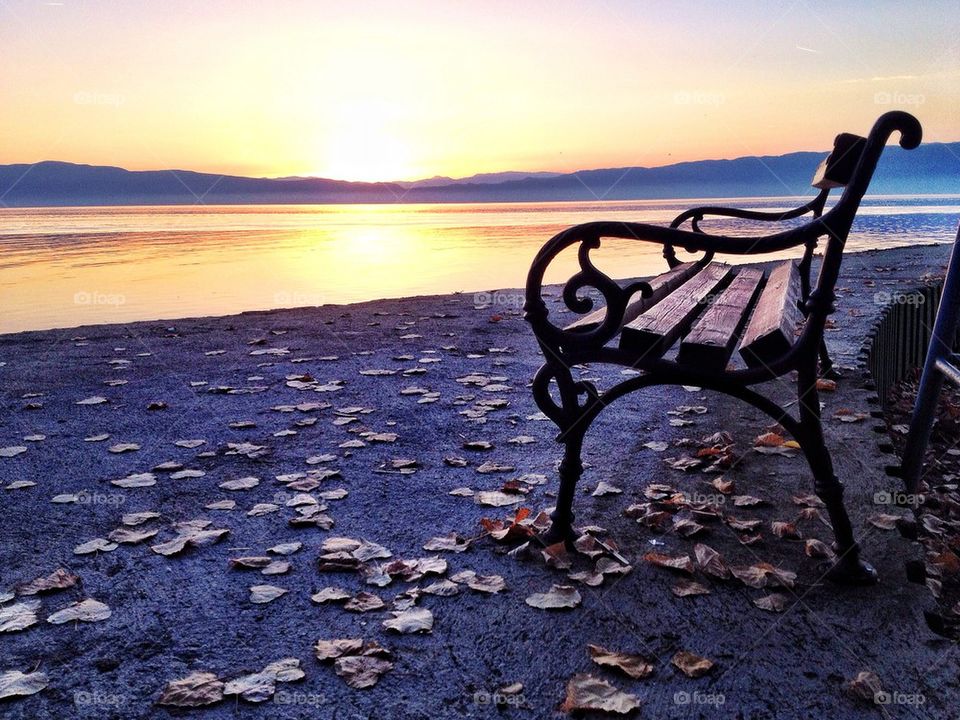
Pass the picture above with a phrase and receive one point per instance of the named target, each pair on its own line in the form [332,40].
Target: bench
[709,324]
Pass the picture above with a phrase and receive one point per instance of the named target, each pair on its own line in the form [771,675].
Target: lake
[63,267]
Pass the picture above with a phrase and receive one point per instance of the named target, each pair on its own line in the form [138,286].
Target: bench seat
[712,309]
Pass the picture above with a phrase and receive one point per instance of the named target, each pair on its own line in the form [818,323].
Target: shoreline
[435,297]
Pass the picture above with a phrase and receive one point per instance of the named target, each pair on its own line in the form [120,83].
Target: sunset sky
[401,90]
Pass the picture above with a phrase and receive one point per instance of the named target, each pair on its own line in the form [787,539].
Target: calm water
[63,267]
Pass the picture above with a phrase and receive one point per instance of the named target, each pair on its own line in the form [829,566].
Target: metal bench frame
[565,348]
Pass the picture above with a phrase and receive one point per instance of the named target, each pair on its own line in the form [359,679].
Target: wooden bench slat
[711,340]
[661,285]
[771,331]
[657,328]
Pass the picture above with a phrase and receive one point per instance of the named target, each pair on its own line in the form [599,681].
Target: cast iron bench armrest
[695,215]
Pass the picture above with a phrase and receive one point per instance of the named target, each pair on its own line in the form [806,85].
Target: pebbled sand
[172,616]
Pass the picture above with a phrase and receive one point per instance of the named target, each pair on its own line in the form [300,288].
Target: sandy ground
[189,612]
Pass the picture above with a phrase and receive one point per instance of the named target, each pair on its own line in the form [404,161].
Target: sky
[365,90]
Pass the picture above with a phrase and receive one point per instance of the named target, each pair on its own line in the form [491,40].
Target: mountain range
[932,168]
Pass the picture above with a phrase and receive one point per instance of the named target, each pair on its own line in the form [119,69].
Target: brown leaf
[330,594]
[88,610]
[691,665]
[59,579]
[330,649]
[586,692]
[451,542]
[723,485]
[775,602]
[261,594]
[558,597]
[865,686]
[685,588]
[18,616]
[414,620]
[785,530]
[364,602]
[884,521]
[14,683]
[361,671]
[769,440]
[710,561]
[682,563]
[635,666]
[817,549]
[752,576]
[200,688]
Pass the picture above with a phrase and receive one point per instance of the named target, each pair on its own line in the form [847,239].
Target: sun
[363,143]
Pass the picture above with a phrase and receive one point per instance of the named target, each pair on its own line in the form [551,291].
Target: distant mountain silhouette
[932,168]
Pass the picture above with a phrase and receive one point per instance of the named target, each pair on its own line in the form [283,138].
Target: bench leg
[826,363]
[571,468]
[849,568]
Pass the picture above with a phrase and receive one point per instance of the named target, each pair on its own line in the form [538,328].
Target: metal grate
[898,342]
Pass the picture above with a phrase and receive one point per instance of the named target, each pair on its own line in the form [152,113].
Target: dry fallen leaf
[685,588]
[558,597]
[414,620]
[260,686]
[636,666]
[330,594]
[331,649]
[59,579]
[451,542]
[18,616]
[364,602]
[817,549]
[865,686]
[14,683]
[265,593]
[775,602]
[361,671]
[785,530]
[710,561]
[605,488]
[200,688]
[691,665]
[586,692]
[682,563]
[884,521]
[88,610]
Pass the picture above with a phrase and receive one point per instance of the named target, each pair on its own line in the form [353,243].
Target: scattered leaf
[586,692]
[691,665]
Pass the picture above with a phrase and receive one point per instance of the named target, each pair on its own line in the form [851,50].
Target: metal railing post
[939,364]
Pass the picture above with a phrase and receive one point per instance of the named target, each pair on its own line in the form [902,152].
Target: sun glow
[363,144]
